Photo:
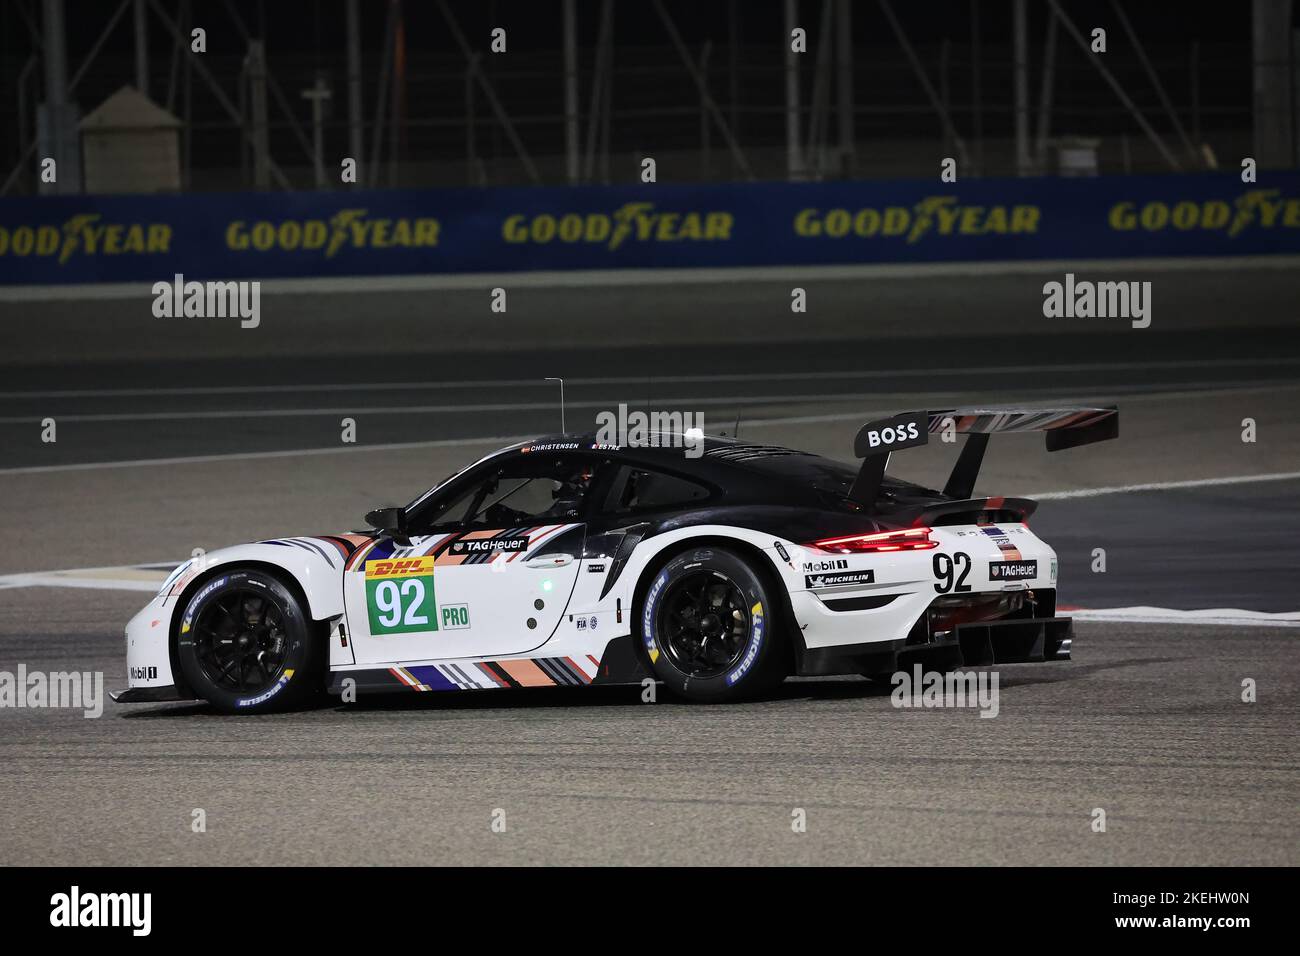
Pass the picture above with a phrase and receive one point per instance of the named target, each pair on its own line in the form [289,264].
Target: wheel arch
[277,571]
[761,563]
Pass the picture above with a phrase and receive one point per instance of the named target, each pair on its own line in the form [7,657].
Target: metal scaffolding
[809,113]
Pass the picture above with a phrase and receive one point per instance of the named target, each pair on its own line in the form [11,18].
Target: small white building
[130,144]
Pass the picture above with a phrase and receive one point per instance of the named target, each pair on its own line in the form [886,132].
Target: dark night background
[1200,51]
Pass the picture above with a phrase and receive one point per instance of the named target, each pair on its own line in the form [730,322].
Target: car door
[492,578]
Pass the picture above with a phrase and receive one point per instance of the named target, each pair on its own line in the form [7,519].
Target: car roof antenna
[736,431]
[563,430]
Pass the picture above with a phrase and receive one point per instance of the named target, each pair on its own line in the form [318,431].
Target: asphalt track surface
[1147,722]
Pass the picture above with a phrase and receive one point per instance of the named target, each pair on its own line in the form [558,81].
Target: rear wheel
[707,627]
[246,645]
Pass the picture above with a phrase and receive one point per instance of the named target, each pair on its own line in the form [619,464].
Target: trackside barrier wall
[69,239]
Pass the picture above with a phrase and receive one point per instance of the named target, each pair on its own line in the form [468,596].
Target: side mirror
[389,520]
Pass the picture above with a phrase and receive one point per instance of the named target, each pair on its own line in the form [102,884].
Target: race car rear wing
[1065,428]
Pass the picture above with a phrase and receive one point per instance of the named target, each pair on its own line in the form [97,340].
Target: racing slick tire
[245,645]
[707,627]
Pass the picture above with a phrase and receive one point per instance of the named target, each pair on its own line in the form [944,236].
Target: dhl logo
[399,567]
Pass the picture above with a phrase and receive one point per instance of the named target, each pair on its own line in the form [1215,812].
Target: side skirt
[149,695]
[618,665]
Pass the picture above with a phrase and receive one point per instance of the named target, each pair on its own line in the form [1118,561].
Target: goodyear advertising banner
[47,240]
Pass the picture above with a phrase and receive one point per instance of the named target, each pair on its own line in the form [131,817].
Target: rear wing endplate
[1064,428]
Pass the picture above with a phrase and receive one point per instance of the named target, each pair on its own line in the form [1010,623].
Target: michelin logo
[836,580]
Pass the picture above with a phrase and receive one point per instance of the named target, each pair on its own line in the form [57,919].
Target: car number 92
[951,572]
[399,596]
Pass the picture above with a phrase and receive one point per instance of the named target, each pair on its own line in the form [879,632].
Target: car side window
[640,489]
[543,489]
[449,511]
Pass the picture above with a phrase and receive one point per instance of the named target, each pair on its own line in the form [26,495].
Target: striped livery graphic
[991,420]
[461,548]
[334,548]
[575,671]
[1009,551]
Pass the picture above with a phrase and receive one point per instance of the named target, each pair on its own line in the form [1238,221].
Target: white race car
[566,562]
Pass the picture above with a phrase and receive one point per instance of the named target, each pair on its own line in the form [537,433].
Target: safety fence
[74,239]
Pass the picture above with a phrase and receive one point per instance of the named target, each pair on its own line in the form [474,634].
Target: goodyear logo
[1255,208]
[631,222]
[940,215]
[399,567]
[86,234]
[346,229]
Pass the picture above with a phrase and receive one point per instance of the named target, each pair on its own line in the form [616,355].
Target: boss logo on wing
[892,434]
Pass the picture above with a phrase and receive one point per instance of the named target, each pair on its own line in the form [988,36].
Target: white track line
[641,381]
[1043,398]
[589,278]
[1164,486]
[100,579]
[255,455]
[1221,616]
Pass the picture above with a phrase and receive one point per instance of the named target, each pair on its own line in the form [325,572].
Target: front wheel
[246,646]
[707,627]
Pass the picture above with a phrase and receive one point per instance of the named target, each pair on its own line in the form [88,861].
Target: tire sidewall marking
[756,629]
[185,640]
[741,575]
[650,612]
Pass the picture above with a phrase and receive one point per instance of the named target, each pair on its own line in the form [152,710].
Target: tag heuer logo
[489,544]
[1012,570]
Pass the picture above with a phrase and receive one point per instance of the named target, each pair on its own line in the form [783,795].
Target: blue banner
[61,239]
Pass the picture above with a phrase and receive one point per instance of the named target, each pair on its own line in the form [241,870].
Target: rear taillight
[910,539]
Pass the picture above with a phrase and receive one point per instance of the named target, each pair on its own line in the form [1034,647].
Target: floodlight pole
[141,47]
[355,146]
[318,93]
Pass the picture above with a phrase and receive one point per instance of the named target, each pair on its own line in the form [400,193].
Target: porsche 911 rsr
[568,562]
